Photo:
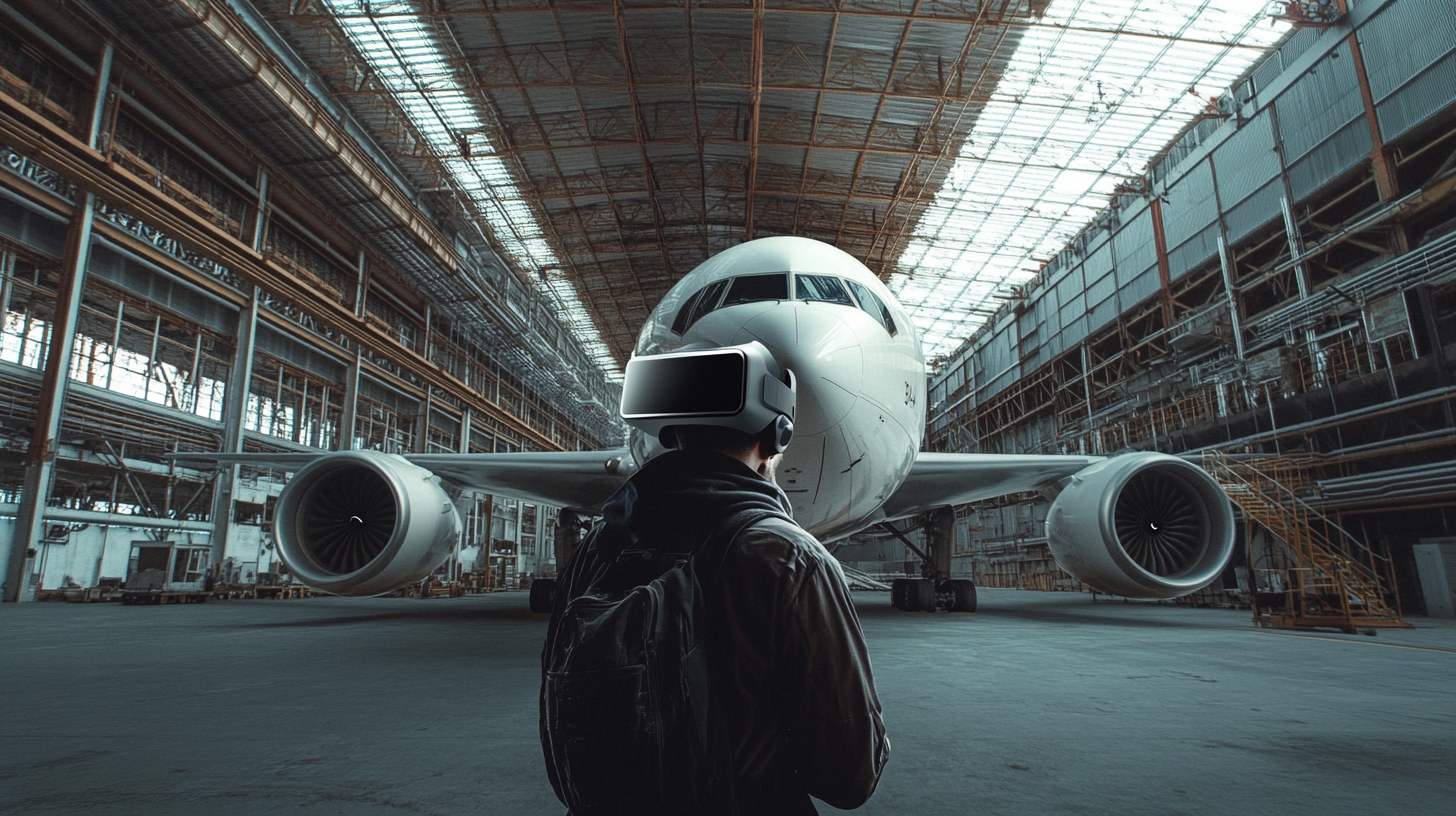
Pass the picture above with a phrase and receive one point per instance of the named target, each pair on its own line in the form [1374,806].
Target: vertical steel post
[465,430]
[41,456]
[260,218]
[1296,249]
[1165,276]
[1226,266]
[1382,164]
[40,459]
[115,341]
[361,284]
[350,415]
[422,430]
[235,407]
[98,101]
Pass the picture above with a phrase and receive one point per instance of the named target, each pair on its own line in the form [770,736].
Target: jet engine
[364,523]
[1142,525]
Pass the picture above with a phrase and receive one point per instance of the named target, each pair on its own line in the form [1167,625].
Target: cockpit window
[821,288]
[680,323]
[698,305]
[872,304]
[749,288]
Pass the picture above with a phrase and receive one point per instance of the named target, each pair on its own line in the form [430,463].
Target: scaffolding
[1312,573]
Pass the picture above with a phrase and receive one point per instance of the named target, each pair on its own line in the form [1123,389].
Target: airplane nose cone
[823,352]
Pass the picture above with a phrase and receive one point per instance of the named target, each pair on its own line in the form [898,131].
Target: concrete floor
[1040,704]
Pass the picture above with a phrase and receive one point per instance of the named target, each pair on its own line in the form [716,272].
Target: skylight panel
[1075,112]
[404,55]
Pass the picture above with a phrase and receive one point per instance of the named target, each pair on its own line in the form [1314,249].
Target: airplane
[1139,524]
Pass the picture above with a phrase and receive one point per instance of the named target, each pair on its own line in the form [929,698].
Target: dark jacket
[790,668]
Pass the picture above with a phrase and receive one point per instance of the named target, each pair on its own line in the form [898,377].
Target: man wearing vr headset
[789,671]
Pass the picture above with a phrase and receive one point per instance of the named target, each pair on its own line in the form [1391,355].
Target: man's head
[732,399]
[760,451]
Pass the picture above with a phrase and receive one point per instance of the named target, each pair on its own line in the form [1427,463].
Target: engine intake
[1142,525]
[364,523]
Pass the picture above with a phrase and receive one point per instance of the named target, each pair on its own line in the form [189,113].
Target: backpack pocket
[604,738]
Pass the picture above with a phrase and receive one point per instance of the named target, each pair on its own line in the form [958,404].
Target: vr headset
[739,387]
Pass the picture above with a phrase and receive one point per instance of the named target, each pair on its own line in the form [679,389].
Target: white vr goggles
[739,387]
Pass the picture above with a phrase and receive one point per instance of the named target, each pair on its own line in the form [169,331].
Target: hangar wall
[216,298]
[1281,281]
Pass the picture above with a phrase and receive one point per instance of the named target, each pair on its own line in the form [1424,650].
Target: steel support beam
[1226,267]
[1382,163]
[350,416]
[235,408]
[1165,275]
[755,96]
[40,458]
[422,431]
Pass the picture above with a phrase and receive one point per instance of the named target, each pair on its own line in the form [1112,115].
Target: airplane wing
[1140,524]
[579,480]
[941,479]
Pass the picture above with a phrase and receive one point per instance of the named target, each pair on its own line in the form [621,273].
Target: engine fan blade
[1158,524]
[349,520]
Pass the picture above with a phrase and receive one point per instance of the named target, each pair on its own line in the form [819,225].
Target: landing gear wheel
[899,589]
[541,591]
[913,594]
[962,595]
[924,593]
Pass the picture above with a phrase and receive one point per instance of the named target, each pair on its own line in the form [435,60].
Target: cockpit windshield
[872,304]
[750,288]
[821,288]
[775,286]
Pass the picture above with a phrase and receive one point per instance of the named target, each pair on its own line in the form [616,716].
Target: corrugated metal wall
[1321,123]
[1247,170]
[1411,77]
[1318,118]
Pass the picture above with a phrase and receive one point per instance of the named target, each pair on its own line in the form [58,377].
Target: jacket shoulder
[781,543]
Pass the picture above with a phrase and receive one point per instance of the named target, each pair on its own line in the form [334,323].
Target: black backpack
[627,718]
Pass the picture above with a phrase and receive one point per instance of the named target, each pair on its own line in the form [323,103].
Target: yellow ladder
[1317,580]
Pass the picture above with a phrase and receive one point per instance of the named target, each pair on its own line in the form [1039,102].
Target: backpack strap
[715,548]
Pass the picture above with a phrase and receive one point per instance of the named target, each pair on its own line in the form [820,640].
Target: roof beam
[639,126]
[1021,23]
[755,95]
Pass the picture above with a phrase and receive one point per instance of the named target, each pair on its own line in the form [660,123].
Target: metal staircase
[1317,578]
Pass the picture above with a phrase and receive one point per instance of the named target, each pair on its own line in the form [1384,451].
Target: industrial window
[821,288]
[872,304]
[750,288]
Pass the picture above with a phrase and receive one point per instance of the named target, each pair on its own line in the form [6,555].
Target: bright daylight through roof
[405,56]
[1078,109]
[1090,95]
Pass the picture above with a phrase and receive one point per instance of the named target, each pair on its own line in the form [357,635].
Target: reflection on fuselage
[861,407]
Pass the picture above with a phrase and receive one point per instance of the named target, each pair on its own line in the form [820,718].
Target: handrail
[1294,499]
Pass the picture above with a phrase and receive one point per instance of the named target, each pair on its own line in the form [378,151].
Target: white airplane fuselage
[861,388]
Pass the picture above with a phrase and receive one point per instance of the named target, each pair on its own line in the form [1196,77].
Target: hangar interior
[429,227]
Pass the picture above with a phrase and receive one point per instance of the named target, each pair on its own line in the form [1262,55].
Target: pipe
[11,510]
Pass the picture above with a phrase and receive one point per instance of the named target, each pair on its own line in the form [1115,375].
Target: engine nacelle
[364,523]
[1142,525]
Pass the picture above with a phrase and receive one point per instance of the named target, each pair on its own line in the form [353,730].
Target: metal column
[40,459]
[464,440]
[234,411]
[350,417]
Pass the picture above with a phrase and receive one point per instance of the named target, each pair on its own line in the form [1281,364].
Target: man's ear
[766,450]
